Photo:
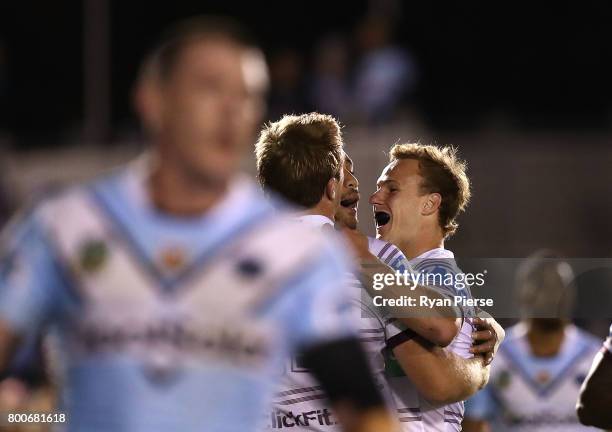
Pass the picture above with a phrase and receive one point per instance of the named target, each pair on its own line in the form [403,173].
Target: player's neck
[321,209]
[545,342]
[424,242]
[174,192]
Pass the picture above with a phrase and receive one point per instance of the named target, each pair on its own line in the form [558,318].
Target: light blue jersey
[535,394]
[164,323]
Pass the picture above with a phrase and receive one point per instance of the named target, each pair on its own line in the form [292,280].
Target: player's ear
[147,102]
[331,189]
[432,203]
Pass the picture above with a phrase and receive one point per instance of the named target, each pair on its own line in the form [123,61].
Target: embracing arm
[441,376]
[437,324]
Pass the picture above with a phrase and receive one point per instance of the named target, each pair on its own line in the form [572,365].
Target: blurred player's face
[398,202]
[209,108]
[346,214]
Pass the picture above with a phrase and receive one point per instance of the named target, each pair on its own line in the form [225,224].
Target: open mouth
[382,218]
[349,203]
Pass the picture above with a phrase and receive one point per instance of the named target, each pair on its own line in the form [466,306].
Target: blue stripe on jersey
[398,264]
[516,362]
[169,283]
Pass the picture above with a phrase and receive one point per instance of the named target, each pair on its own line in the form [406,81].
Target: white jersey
[170,324]
[415,413]
[300,403]
[535,394]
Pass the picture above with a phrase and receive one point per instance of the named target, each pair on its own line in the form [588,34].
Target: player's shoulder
[291,236]
[589,341]
[389,254]
[68,201]
[437,261]
[515,335]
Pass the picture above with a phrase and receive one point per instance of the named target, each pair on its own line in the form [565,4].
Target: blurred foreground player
[543,362]
[168,284]
[594,406]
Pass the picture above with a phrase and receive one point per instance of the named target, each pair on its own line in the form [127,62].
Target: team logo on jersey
[173,259]
[503,380]
[542,377]
[93,254]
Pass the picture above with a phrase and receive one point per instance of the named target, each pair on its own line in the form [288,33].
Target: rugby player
[539,369]
[168,284]
[298,157]
[595,400]
[419,195]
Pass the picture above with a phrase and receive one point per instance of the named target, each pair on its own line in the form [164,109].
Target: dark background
[523,90]
[543,66]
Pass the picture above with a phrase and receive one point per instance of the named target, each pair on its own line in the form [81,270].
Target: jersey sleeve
[321,301]
[481,406]
[608,342]
[30,282]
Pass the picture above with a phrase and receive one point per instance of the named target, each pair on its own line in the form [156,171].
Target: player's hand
[359,243]
[487,338]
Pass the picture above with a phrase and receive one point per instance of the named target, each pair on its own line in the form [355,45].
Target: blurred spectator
[287,90]
[329,89]
[385,73]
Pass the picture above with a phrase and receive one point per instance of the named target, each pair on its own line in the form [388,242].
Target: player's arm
[31,287]
[441,376]
[444,377]
[438,324]
[594,406]
[351,390]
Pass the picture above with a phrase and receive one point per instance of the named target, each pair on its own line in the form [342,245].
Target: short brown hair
[444,173]
[298,155]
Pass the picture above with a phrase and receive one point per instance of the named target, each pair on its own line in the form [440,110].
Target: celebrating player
[297,158]
[538,372]
[419,195]
[169,284]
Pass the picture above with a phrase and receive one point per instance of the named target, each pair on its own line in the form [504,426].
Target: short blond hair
[443,172]
[298,155]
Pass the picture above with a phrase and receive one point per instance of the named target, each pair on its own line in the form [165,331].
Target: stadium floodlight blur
[168,286]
